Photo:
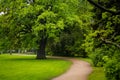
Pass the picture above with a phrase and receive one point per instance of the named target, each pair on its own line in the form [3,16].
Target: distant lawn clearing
[13,67]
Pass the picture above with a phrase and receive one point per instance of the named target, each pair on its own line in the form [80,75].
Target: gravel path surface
[78,71]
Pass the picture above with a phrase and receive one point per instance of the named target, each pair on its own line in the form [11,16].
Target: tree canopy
[31,23]
[65,28]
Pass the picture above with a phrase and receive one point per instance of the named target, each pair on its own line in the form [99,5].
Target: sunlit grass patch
[28,68]
[98,74]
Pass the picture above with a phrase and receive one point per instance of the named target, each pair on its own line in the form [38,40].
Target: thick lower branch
[103,8]
[110,42]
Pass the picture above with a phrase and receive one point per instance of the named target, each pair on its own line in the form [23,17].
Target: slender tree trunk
[41,50]
[10,52]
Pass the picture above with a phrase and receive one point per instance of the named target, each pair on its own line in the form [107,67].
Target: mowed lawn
[98,74]
[14,67]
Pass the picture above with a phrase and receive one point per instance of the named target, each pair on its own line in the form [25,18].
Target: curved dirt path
[78,71]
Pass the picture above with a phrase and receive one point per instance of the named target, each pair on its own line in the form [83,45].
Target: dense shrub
[108,57]
[67,49]
[112,69]
[101,55]
[97,57]
[69,42]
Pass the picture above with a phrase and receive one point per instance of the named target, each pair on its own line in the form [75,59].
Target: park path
[79,70]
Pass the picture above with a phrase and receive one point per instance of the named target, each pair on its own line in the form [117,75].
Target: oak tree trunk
[41,49]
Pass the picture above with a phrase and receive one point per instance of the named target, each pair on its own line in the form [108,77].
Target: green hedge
[112,69]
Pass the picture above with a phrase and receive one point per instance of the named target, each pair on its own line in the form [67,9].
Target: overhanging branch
[103,8]
[110,42]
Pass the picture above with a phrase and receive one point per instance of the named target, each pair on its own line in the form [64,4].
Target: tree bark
[10,52]
[41,49]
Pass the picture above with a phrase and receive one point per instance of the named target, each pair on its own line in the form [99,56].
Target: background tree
[72,37]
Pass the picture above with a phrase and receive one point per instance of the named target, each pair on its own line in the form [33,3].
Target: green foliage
[70,39]
[25,23]
[102,41]
[72,36]
[112,69]
[97,57]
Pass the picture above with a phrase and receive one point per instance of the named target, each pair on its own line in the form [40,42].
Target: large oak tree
[30,23]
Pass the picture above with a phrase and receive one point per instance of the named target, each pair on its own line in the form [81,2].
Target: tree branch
[103,8]
[110,42]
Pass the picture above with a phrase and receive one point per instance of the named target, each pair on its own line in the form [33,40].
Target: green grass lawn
[13,67]
[98,72]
